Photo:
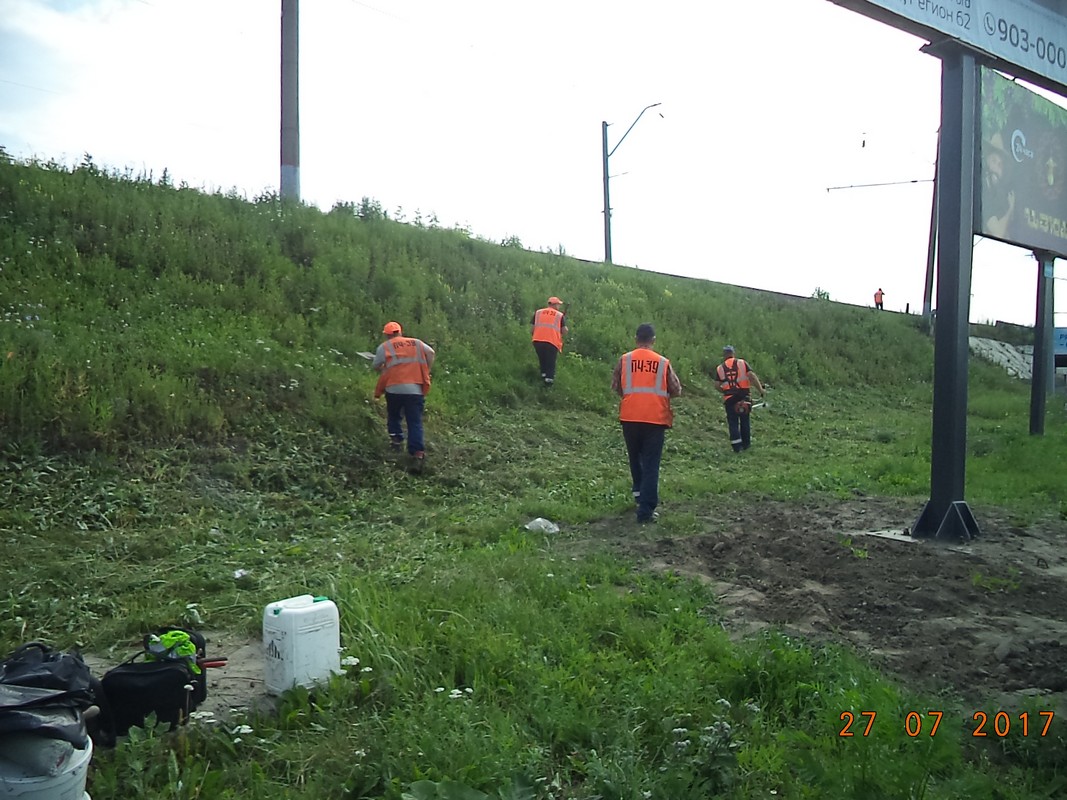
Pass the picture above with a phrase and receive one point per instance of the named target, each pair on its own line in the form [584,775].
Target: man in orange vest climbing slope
[646,382]
[735,379]
[404,365]
[546,330]
[878,296]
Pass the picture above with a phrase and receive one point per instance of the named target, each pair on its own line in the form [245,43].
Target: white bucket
[67,784]
[301,642]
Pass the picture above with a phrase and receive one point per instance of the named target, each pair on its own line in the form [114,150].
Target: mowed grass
[188,436]
[495,660]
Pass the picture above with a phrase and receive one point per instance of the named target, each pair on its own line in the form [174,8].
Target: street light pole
[607,195]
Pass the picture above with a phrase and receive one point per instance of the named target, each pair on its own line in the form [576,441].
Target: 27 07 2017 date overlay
[999,724]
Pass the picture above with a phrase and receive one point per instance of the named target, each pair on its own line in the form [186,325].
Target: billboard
[1060,347]
[1021,197]
[1029,35]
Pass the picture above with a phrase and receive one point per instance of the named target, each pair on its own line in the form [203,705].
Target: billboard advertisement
[1021,196]
[1060,346]
[1028,35]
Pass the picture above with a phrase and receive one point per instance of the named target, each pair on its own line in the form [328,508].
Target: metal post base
[958,524]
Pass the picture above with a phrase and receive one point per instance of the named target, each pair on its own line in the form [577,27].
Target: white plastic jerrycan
[301,642]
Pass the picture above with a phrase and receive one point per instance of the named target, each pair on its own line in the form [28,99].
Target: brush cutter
[762,402]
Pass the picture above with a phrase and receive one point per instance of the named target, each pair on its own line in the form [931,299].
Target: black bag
[38,665]
[44,692]
[156,680]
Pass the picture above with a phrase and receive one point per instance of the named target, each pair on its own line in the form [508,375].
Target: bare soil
[234,689]
[985,621]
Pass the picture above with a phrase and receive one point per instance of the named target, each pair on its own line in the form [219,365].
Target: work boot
[418,461]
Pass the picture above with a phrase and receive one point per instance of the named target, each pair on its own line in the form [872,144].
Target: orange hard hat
[391,327]
[554,300]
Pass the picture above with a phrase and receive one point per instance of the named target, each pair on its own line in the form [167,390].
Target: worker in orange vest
[646,382]
[547,329]
[735,379]
[878,298]
[403,364]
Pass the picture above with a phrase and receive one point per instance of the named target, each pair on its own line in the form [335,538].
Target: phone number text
[1025,42]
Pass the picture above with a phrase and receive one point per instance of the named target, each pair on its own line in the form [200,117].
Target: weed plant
[188,433]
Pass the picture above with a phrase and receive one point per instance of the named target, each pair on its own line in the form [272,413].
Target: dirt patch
[235,688]
[986,621]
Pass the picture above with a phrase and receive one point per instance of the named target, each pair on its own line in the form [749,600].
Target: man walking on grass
[735,380]
[404,366]
[546,331]
[646,382]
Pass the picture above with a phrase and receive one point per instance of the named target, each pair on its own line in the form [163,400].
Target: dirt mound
[987,621]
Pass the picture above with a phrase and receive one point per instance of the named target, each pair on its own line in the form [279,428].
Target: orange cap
[391,327]
[554,300]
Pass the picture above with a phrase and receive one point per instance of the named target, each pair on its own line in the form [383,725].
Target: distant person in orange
[646,382]
[878,298]
[404,366]
[735,380]
[547,329]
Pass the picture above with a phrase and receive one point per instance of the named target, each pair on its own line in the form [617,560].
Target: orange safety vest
[733,377]
[405,362]
[643,377]
[548,327]
[878,296]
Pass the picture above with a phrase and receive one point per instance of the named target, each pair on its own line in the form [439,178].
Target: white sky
[488,114]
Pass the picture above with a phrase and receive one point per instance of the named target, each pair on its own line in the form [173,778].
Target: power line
[887,183]
[28,86]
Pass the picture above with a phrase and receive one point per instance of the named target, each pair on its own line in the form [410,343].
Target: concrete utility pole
[931,247]
[607,197]
[290,172]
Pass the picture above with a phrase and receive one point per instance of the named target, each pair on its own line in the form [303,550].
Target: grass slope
[180,398]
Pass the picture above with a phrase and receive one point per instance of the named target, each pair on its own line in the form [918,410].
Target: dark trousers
[546,357]
[408,406]
[644,446]
[740,426]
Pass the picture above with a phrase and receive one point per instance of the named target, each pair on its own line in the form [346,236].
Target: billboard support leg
[1043,371]
[957,525]
[946,515]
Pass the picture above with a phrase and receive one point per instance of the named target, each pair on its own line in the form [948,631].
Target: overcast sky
[487,114]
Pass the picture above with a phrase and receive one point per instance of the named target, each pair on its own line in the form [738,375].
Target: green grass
[182,401]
